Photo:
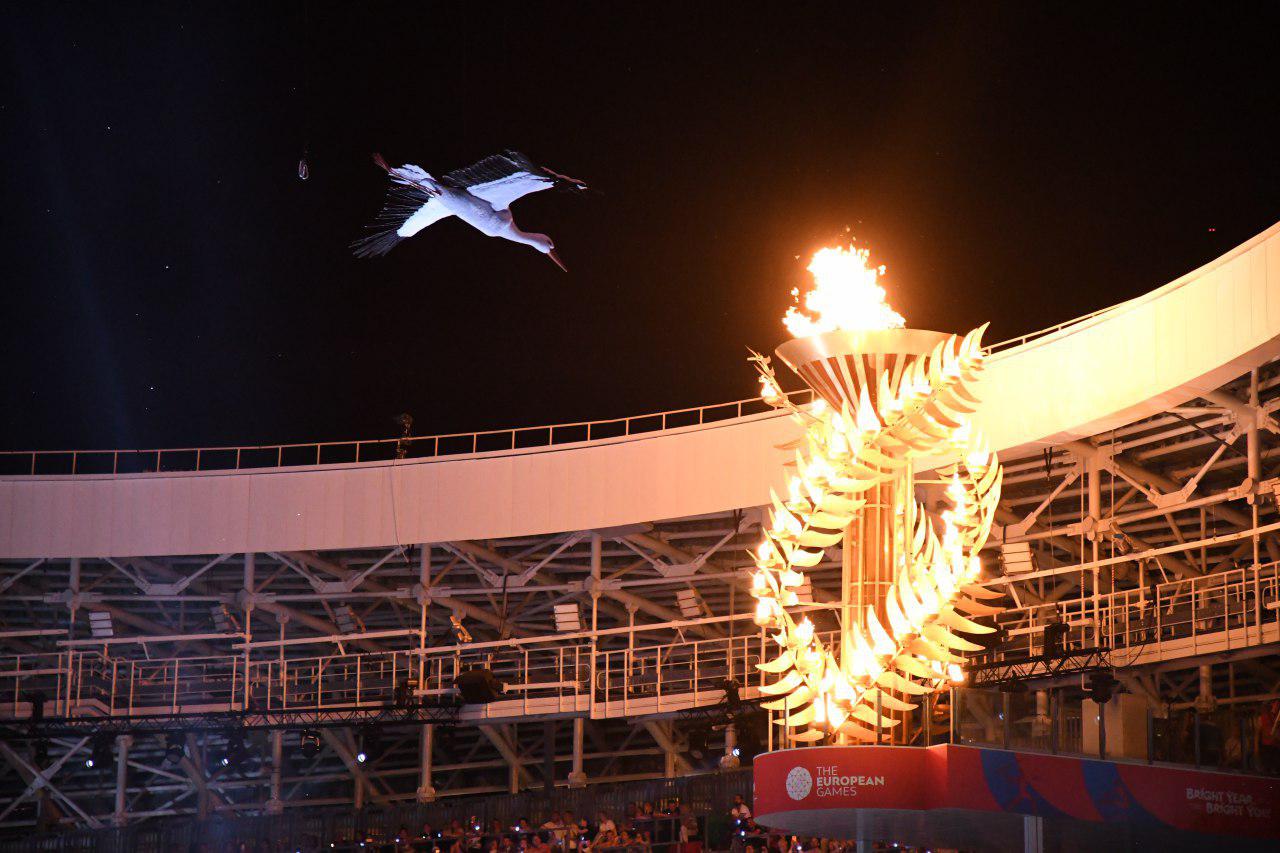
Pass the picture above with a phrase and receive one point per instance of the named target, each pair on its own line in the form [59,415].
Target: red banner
[812,789]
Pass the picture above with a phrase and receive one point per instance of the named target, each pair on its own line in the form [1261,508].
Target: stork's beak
[553,256]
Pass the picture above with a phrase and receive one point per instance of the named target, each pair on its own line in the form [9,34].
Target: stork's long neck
[541,242]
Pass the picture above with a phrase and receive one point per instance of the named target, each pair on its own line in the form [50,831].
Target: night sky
[168,279]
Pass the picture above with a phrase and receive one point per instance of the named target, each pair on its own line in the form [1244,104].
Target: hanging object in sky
[480,195]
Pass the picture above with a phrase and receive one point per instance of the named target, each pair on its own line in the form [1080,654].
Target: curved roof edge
[1136,359]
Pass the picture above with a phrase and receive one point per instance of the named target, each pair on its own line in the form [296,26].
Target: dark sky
[168,279]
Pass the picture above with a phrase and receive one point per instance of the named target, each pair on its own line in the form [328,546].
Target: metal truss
[1155,541]
[300,718]
[997,673]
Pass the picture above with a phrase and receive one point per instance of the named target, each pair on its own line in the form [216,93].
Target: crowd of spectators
[643,826]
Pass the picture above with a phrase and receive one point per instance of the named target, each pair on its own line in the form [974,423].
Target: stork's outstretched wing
[502,178]
[410,207]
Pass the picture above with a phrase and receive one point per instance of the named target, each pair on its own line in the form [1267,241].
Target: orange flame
[846,295]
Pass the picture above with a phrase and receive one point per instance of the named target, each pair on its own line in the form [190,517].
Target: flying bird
[480,195]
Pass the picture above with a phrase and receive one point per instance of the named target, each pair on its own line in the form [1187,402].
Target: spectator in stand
[646,811]
[554,827]
[643,841]
[690,842]
[1267,739]
[572,835]
[740,811]
[604,823]
[604,841]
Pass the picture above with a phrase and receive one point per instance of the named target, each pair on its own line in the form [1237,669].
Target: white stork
[480,195]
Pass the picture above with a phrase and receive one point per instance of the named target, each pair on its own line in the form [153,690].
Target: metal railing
[240,457]
[1181,618]
[647,679]
[539,677]
[178,459]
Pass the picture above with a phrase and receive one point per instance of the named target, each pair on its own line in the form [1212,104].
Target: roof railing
[234,458]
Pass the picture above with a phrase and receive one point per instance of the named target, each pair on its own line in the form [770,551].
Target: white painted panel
[1140,357]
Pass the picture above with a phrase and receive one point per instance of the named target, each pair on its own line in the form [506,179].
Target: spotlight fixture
[369,743]
[731,696]
[310,743]
[459,630]
[174,749]
[234,750]
[100,754]
[223,619]
[348,621]
[1102,686]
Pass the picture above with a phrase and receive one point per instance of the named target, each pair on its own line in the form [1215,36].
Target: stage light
[309,744]
[369,743]
[223,620]
[348,621]
[101,753]
[234,751]
[1101,687]
[174,750]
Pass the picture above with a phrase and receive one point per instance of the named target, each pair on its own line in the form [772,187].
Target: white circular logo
[799,783]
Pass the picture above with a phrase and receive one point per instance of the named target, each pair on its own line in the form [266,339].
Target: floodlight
[568,617]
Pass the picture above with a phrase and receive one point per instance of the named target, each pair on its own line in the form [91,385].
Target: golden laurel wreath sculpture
[888,396]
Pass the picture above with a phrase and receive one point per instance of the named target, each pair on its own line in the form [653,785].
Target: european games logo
[799,783]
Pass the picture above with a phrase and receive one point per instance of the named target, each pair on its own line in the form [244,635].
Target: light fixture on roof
[568,617]
[223,620]
[1017,558]
[459,630]
[691,604]
[100,624]
[348,621]
[174,750]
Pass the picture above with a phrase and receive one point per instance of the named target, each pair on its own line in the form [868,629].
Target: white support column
[249,583]
[1253,452]
[426,791]
[577,778]
[123,742]
[275,804]
[1206,702]
[596,563]
[729,761]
